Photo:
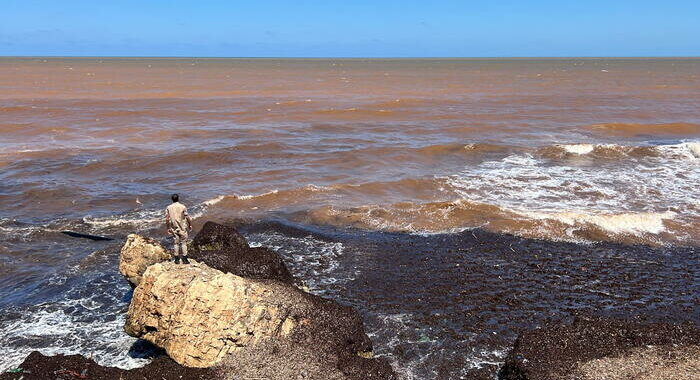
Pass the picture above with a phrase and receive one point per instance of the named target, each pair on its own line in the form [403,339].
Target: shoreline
[477,290]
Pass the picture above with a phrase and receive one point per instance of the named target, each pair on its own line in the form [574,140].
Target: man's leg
[176,248]
[183,249]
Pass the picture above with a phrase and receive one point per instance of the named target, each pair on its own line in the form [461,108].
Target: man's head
[175,198]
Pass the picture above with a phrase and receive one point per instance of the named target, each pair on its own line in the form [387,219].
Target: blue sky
[361,28]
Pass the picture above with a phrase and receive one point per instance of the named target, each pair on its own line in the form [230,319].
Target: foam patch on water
[578,148]
[14,227]
[251,196]
[142,219]
[311,259]
[137,218]
[53,332]
[634,196]
[79,309]
[694,148]
[687,150]
[625,223]
[682,151]
[402,332]
[213,201]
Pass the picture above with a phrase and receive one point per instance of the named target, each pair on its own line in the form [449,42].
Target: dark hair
[175,197]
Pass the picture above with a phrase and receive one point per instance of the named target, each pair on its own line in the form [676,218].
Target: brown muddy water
[453,202]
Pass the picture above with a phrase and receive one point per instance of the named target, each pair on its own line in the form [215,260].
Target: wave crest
[459,215]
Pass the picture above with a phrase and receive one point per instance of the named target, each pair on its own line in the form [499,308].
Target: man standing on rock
[178,224]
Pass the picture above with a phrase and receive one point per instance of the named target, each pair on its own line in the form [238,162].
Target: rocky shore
[234,312]
[605,349]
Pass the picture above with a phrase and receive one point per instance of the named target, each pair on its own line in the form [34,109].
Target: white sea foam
[694,148]
[213,201]
[137,218]
[624,223]
[578,148]
[684,150]
[311,258]
[251,196]
[146,218]
[687,150]
[634,196]
[51,331]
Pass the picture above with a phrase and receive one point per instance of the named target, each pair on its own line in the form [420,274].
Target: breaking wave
[459,215]
[142,219]
[86,318]
[644,195]
[576,192]
[684,150]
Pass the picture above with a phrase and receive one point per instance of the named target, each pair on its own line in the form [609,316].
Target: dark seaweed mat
[476,291]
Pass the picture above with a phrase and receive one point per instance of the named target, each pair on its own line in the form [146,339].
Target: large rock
[137,254]
[219,246]
[605,349]
[262,328]
[199,314]
[223,248]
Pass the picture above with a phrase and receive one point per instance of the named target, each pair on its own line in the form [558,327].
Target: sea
[452,202]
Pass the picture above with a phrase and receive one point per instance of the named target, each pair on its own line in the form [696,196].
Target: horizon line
[350,57]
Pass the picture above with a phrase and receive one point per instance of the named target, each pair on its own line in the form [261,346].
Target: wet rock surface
[260,325]
[222,247]
[610,349]
[203,317]
[450,306]
[74,367]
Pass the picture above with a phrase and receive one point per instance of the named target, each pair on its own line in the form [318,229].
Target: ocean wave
[459,215]
[142,219]
[304,197]
[640,201]
[617,224]
[135,218]
[683,150]
[52,329]
[636,129]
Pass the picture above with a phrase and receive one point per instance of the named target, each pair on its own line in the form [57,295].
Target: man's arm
[167,221]
[189,222]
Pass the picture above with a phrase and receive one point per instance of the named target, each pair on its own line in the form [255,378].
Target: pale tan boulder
[137,254]
[199,314]
[238,310]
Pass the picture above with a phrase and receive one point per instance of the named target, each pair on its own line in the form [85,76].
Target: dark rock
[75,367]
[249,327]
[554,352]
[222,247]
[215,236]
[335,333]
[328,343]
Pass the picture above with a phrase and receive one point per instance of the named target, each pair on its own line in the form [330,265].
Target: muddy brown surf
[574,180]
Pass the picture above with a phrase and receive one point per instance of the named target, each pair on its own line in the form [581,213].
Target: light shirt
[177,213]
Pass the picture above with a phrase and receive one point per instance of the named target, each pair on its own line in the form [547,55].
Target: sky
[360,28]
